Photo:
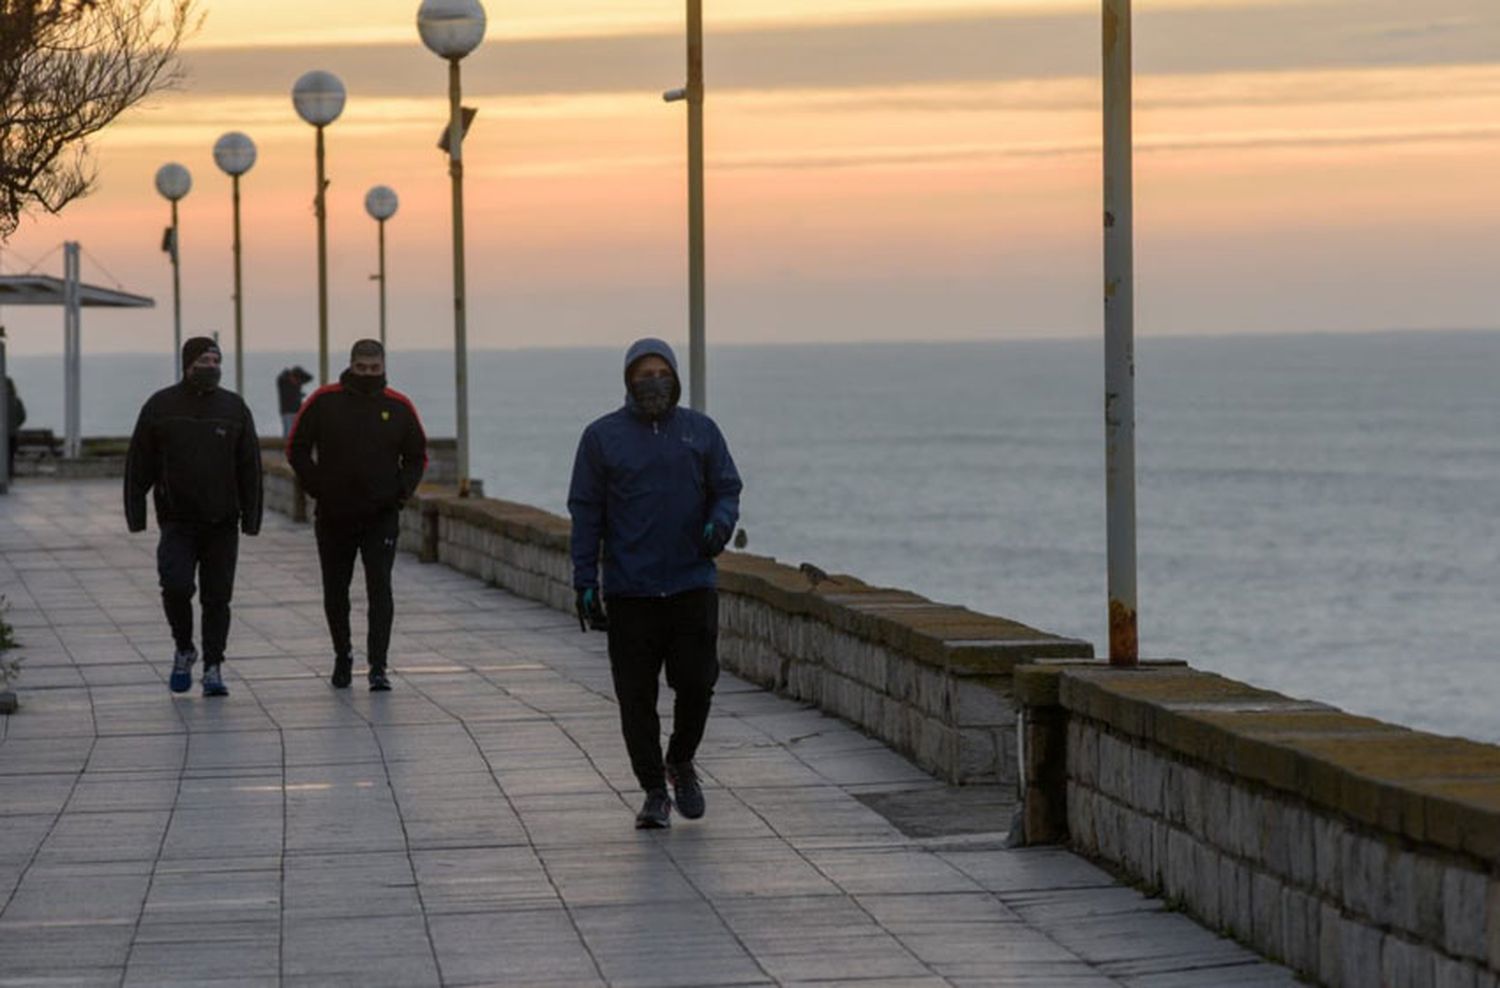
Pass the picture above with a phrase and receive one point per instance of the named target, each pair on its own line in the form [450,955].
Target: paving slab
[474,826]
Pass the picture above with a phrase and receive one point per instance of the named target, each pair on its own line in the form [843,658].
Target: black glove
[590,611]
[714,540]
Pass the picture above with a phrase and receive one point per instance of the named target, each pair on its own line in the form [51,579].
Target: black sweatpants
[209,553]
[374,541]
[645,634]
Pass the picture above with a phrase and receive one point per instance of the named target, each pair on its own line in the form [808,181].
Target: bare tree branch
[68,69]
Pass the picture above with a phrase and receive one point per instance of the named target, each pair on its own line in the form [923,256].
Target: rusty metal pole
[1119,335]
[697,248]
[239,304]
[176,298]
[381,278]
[321,206]
[460,322]
[692,93]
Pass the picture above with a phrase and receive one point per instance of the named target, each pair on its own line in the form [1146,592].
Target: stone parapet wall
[1356,852]
[932,680]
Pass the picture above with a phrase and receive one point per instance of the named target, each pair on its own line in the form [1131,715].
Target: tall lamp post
[451,29]
[381,203]
[697,268]
[174,181]
[319,98]
[1119,335]
[234,153]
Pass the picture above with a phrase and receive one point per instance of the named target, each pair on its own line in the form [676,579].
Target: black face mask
[366,384]
[652,395]
[203,379]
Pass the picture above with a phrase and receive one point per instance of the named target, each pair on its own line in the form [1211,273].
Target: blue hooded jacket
[644,490]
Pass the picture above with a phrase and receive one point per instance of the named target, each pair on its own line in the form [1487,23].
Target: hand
[590,610]
[714,540]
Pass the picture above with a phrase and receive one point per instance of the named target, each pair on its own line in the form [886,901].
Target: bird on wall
[741,539]
[815,575]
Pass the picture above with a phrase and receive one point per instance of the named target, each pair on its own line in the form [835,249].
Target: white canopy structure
[73,295]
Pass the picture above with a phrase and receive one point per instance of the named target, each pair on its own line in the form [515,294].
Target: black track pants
[680,633]
[374,541]
[208,553]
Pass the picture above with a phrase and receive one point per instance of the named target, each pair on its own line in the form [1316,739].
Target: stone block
[1267,933]
[1179,868]
[982,702]
[1359,953]
[1083,752]
[1206,897]
[1236,906]
[1330,968]
[1404,964]
[1300,914]
[1194,812]
[1492,924]
[1081,804]
[1450,973]
[1160,834]
[1244,829]
[1328,861]
[1217,818]
[1146,781]
[978,760]
[1465,904]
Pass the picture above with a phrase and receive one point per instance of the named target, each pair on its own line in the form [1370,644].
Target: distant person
[289,395]
[655,486]
[195,448]
[14,419]
[359,450]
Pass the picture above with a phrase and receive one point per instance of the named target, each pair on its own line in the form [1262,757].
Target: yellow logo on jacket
[385,416]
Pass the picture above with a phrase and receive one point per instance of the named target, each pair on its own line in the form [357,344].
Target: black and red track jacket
[357,454]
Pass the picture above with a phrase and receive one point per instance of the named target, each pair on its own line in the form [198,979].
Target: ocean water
[1317,514]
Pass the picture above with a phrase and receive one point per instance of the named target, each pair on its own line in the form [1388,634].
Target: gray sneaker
[656,813]
[213,681]
[182,670]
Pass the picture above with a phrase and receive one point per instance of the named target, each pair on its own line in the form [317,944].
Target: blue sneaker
[182,670]
[213,681]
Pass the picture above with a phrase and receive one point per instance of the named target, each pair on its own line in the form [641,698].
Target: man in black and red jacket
[359,450]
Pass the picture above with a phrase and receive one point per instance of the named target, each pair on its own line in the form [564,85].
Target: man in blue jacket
[655,487]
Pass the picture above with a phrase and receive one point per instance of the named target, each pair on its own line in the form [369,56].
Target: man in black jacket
[359,450]
[195,448]
[289,395]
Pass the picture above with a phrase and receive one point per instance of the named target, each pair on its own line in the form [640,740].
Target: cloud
[949,49]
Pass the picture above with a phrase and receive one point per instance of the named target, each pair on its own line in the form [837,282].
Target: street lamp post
[1119,335]
[174,181]
[452,29]
[319,98]
[381,203]
[234,153]
[697,266]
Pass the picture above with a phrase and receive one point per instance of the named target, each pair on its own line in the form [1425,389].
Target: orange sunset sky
[880,169]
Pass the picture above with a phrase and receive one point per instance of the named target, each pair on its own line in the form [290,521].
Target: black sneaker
[656,812]
[686,791]
[378,681]
[343,672]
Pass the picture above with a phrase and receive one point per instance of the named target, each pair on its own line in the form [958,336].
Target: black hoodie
[199,455]
[371,450]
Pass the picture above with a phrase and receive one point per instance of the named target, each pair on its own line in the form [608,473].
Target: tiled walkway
[473,826]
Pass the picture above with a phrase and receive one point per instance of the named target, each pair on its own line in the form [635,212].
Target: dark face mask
[367,384]
[652,395]
[203,379]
